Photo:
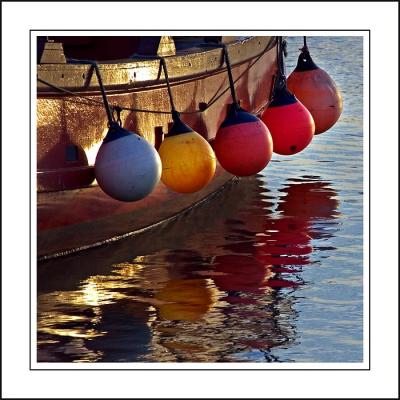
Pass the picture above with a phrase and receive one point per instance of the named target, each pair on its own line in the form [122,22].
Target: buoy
[127,167]
[290,123]
[243,144]
[187,158]
[317,91]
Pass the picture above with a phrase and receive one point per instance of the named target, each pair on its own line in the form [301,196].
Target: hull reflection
[206,288]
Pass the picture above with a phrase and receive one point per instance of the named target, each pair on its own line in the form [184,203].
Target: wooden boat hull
[72,211]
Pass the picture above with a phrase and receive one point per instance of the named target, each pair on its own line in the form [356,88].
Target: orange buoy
[243,144]
[188,161]
[317,91]
[290,123]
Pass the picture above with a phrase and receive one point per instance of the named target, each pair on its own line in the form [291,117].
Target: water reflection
[209,287]
[185,299]
[126,333]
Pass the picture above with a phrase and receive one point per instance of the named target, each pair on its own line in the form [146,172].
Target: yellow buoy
[187,158]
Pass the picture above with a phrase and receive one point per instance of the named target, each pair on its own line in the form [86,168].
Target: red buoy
[290,123]
[317,91]
[243,144]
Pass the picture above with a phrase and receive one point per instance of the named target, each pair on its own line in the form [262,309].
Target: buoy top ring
[116,132]
[237,115]
[282,97]
[178,127]
[305,62]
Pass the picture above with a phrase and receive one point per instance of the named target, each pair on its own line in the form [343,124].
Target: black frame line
[212,1]
[201,30]
[201,369]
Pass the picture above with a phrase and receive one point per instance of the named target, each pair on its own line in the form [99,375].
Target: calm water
[269,270]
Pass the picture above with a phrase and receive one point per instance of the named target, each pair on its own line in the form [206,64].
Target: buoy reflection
[185,299]
[202,297]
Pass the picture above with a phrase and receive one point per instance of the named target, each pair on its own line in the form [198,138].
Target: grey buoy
[127,167]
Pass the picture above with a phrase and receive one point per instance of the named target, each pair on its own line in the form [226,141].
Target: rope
[281,64]
[171,98]
[229,69]
[88,99]
[280,81]
[94,102]
[304,49]
[100,80]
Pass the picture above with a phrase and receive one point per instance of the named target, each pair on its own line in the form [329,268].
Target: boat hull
[72,211]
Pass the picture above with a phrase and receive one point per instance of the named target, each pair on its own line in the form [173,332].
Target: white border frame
[381,381]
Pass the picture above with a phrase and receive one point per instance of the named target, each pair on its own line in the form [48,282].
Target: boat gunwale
[177,73]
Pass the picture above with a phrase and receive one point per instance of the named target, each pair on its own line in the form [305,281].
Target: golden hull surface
[72,211]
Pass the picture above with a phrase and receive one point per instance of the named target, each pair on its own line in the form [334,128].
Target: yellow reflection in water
[78,333]
[186,299]
[104,289]
[129,269]
[96,291]
[61,324]
[93,293]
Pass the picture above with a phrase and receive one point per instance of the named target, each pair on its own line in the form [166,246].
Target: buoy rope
[110,116]
[66,91]
[305,42]
[280,81]
[229,70]
[171,98]
[175,114]
[280,59]
[86,100]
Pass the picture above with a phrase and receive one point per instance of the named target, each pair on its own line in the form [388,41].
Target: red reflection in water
[270,245]
[171,310]
[241,273]
[268,249]
[309,200]
[285,241]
